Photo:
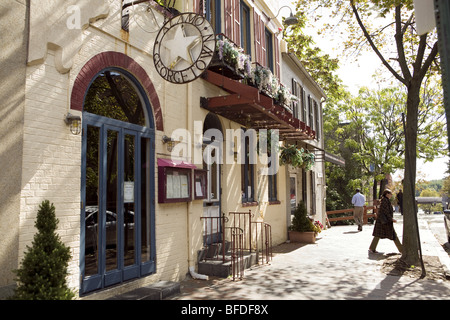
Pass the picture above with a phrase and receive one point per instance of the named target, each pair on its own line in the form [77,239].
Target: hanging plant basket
[290,155]
[298,158]
[308,160]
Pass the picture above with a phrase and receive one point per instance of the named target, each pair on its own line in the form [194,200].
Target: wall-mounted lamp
[170,142]
[291,20]
[74,122]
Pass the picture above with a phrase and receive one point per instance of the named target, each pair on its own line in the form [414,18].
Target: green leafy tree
[407,56]
[42,275]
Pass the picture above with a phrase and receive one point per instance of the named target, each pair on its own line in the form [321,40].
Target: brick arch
[114,59]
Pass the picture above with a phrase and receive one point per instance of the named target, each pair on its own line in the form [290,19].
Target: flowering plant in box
[318,227]
[234,56]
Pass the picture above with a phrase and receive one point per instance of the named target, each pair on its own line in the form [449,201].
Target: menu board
[174,185]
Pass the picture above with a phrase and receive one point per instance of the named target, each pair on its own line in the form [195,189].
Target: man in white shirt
[358,202]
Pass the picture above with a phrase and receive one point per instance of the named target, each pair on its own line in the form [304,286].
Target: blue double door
[117,214]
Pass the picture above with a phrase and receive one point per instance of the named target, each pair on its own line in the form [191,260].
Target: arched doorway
[118,168]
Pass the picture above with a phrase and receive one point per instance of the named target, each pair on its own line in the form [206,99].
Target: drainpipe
[189,122]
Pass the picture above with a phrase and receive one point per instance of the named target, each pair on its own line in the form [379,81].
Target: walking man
[358,202]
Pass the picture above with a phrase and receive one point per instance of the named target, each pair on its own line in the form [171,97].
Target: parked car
[447,223]
[111,230]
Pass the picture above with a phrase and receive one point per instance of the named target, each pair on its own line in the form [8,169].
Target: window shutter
[295,103]
[309,123]
[276,53]
[303,97]
[229,19]
[199,7]
[237,22]
[316,116]
[257,30]
[263,44]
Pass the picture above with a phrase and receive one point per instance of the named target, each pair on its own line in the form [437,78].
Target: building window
[272,182]
[245,29]
[299,107]
[269,50]
[247,171]
[213,14]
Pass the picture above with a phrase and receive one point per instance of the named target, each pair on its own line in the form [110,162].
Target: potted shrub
[44,269]
[302,229]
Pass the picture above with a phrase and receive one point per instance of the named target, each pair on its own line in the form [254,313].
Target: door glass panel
[111,200]
[92,201]
[214,177]
[293,193]
[112,95]
[129,204]
[145,203]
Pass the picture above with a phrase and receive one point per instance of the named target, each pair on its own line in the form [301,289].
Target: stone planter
[302,237]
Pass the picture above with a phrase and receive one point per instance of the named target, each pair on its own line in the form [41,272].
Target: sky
[358,72]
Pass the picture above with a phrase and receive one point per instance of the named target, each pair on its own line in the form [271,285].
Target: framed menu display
[174,181]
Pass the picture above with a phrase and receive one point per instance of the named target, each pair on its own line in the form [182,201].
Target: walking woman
[384,225]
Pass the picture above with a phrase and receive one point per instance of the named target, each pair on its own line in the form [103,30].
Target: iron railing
[231,238]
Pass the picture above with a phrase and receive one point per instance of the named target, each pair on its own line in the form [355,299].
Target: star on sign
[180,46]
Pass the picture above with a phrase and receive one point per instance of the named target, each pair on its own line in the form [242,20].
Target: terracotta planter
[303,237]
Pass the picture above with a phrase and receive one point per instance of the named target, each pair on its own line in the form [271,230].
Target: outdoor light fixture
[170,142]
[291,20]
[74,122]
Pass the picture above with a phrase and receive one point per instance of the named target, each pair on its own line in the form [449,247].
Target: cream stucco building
[129,189]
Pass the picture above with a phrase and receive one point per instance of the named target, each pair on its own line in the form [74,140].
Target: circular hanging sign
[184,48]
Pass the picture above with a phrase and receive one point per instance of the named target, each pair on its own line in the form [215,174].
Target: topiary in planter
[42,275]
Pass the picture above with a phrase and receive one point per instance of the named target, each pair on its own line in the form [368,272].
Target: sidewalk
[336,267]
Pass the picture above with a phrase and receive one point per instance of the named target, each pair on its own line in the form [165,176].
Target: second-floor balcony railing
[231,61]
[256,99]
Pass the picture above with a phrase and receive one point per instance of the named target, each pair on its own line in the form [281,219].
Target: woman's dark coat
[384,228]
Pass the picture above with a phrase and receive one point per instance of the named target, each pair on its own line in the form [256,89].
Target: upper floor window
[269,49]
[213,14]
[245,29]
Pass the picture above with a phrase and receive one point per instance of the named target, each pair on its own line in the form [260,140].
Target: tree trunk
[410,254]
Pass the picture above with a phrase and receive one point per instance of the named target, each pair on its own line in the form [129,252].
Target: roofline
[302,68]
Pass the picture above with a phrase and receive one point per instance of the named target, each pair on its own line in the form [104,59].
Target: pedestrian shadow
[350,232]
[380,256]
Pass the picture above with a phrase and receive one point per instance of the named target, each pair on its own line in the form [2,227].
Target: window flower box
[230,60]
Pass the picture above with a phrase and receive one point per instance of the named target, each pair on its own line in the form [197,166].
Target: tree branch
[399,42]
[374,48]
[428,61]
